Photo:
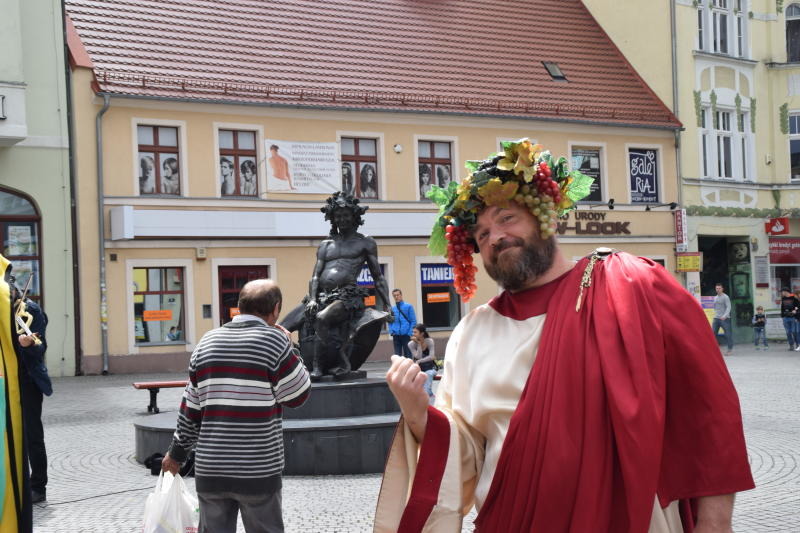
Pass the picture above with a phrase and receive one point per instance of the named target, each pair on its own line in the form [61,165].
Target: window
[794,146]
[722,27]
[159,161]
[587,160]
[793,33]
[360,167]
[158,305]
[366,281]
[435,163]
[237,163]
[726,147]
[643,171]
[20,230]
[724,169]
[701,15]
[441,305]
[554,70]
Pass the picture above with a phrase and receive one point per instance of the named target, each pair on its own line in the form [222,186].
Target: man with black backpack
[404,321]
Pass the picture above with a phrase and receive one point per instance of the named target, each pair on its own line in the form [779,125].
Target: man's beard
[516,271]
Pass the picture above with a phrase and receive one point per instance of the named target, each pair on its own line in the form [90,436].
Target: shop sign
[157,316]
[681,232]
[762,271]
[233,311]
[438,297]
[689,262]
[365,276]
[436,274]
[707,303]
[593,223]
[777,226]
[785,251]
[643,170]
[369,301]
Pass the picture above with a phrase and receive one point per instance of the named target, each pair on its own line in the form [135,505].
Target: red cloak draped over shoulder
[628,398]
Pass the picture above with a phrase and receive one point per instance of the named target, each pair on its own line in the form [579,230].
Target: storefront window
[441,306]
[784,258]
[587,160]
[19,230]
[158,305]
[365,280]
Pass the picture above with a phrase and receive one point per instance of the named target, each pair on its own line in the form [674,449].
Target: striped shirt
[241,375]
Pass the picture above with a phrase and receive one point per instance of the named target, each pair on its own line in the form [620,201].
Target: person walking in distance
[722,316]
[789,313]
[404,321]
[588,396]
[241,375]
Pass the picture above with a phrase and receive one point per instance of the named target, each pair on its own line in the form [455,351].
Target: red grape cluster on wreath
[522,173]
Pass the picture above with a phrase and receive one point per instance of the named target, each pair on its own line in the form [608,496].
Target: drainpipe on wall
[673,33]
[73,187]
[101,231]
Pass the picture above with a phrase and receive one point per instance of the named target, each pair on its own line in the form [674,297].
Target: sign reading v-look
[643,171]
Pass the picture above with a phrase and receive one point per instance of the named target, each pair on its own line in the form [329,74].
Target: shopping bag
[171,507]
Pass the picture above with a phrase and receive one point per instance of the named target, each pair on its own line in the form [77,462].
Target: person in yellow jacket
[15,497]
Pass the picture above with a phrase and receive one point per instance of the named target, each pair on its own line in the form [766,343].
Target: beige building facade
[185,256]
[729,70]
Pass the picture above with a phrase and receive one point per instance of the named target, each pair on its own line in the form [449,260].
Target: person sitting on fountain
[335,299]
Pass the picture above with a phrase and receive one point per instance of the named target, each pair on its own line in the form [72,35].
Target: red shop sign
[784,251]
[777,226]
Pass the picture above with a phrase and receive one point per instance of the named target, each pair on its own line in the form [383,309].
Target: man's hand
[406,382]
[27,340]
[168,464]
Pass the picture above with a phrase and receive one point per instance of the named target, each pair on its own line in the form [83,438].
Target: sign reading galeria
[643,172]
[302,167]
[785,251]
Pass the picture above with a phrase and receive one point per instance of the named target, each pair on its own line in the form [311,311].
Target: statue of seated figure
[335,326]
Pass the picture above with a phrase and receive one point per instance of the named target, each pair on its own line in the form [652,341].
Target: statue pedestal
[343,428]
[353,375]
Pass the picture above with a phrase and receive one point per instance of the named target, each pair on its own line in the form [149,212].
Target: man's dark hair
[342,200]
[719,285]
[274,147]
[259,298]
[397,290]
[785,289]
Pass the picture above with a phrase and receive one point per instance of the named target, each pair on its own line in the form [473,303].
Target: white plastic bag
[171,507]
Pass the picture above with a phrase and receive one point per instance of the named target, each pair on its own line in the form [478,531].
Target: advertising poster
[20,241]
[302,167]
[587,160]
[643,170]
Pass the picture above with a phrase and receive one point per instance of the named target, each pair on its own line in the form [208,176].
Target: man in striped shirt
[241,375]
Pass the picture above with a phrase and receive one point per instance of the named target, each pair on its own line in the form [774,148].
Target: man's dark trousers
[401,345]
[34,433]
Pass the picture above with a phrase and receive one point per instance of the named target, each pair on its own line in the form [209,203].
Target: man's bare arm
[406,380]
[714,514]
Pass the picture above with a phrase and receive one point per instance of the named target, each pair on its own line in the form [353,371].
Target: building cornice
[725,58]
[730,184]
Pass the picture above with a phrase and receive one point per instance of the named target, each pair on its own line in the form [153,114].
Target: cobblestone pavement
[97,486]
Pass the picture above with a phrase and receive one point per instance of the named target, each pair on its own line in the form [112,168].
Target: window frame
[464,307]
[723,17]
[37,258]
[236,153]
[454,158]
[592,145]
[188,303]
[795,19]
[433,161]
[183,165]
[793,114]
[378,160]
[261,168]
[739,144]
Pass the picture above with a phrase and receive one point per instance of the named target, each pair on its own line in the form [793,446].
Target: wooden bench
[154,387]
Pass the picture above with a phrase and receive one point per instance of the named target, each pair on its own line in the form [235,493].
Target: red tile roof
[481,57]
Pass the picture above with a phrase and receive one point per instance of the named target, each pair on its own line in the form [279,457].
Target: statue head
[342,200]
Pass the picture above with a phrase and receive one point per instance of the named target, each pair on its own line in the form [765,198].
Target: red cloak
[628,398]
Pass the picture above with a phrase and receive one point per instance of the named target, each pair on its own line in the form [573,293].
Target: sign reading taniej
[302,167]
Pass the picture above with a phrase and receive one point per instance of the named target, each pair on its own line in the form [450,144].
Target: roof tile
[452,56]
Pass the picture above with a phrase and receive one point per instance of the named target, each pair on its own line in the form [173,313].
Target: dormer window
[554,71]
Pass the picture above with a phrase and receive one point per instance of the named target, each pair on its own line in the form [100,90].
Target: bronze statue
[337,331]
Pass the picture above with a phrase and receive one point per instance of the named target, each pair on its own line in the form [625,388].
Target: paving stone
[97,486]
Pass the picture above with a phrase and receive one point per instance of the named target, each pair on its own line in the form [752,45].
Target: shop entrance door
[231,281]
[726,260]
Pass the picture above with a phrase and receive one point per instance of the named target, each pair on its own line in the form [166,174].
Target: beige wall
[651,233]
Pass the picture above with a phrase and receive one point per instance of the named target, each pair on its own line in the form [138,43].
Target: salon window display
[238,171]
[359,157]
[158,160]
[435,165]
